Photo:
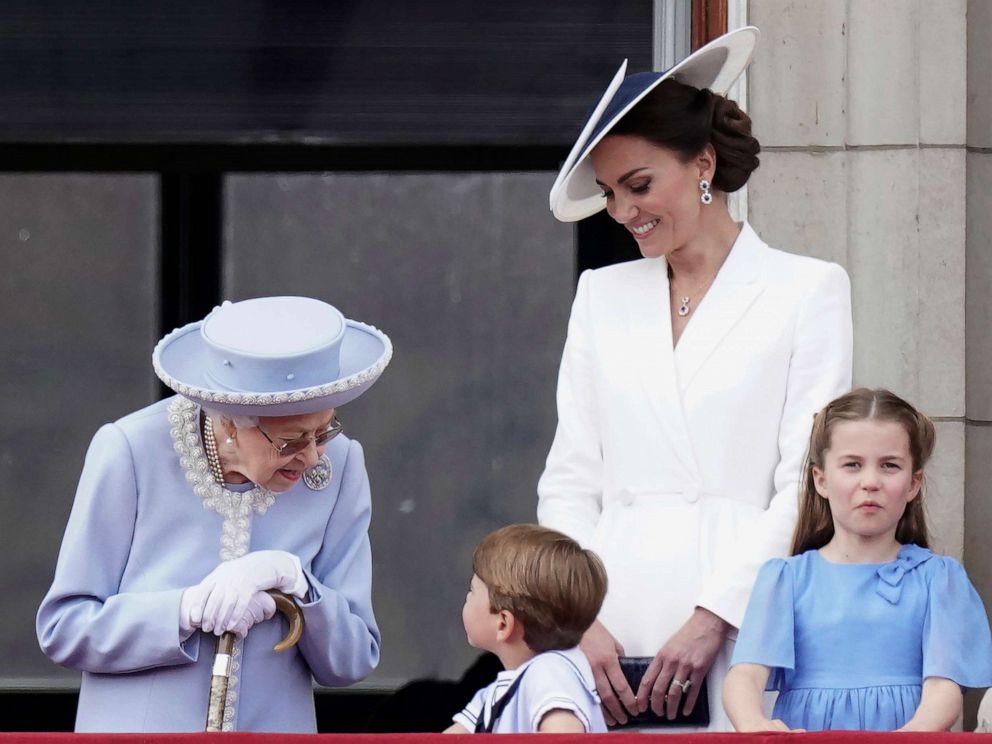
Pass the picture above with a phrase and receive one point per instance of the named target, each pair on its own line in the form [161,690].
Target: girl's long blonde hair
[815,527]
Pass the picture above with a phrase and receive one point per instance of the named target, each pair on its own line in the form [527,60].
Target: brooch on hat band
[318,477]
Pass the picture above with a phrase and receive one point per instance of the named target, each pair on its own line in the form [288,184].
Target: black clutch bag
[633,668]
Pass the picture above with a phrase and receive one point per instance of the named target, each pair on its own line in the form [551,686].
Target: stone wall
[876,121]
[861,111]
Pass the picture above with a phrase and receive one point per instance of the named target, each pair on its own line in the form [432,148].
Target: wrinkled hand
[220,602]
[602,650]
[688,655]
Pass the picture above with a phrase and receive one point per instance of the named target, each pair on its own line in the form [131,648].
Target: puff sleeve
[956,640]
[767,635]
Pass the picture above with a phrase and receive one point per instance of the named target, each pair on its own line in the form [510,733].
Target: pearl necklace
[210,446]
[187,428]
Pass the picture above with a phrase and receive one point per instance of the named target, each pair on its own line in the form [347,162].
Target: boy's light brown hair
[545,578]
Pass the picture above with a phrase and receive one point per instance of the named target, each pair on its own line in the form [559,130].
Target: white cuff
[300,585]
[186,628]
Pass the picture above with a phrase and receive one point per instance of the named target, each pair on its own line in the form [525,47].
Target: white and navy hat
[272,356]
[575,194]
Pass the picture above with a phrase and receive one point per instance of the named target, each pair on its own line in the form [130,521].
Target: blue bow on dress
[890,575]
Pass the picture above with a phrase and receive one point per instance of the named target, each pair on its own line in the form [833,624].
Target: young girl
[863,627]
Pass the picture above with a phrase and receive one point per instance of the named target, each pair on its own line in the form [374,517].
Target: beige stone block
[978,510]
[883,261]
[979,78]
[882,65]
[943,63]
[978,307]
[945,489]
[798,202]
[941,313]
[796,92]
[905,256]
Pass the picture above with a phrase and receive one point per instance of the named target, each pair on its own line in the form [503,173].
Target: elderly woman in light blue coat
[189,509]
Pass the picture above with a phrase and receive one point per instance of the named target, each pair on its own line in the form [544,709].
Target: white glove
[193,596]
[220,601]
[260,607]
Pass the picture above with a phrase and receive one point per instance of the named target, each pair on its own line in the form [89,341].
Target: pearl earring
[706,197]
[229,441]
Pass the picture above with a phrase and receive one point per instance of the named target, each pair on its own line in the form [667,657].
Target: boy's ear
[508,628]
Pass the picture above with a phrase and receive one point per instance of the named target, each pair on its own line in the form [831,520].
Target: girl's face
[651,191]
[868,478]
[478,617]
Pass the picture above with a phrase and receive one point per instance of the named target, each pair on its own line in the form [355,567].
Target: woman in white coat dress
[189,509]
[688,382]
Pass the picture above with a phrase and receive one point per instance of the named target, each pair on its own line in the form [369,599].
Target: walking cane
[222,660]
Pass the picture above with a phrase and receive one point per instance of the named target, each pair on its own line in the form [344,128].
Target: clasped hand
[687,656]
[232,597]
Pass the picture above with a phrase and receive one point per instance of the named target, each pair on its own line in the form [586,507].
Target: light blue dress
[850,644]
[143,527]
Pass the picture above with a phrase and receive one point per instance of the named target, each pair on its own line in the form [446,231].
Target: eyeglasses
[299,444]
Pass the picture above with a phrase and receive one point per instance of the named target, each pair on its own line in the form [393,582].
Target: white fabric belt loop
[691,494]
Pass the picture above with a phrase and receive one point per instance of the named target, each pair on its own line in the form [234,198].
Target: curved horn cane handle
[225,648]
[294,616]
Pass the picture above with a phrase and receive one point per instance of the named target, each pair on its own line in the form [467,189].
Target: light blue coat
[138,535]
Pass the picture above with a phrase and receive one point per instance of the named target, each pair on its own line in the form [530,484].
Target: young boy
[533,594]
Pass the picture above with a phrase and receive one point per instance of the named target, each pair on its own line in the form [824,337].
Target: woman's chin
[654,250]
[659,243]
[283,480]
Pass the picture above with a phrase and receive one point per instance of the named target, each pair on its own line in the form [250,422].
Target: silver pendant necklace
[685,306]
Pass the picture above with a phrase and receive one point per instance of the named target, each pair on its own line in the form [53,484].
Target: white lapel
[649,322]
[736,286]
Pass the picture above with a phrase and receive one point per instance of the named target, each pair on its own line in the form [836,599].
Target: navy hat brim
[575,194]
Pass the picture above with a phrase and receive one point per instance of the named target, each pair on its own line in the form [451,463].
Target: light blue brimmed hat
[272,356]
[575,194]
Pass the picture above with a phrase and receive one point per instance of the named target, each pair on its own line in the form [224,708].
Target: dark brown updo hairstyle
[815,527]
[684,120]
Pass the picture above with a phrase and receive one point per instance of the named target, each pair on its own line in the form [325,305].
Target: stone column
[860,110]
[978,471]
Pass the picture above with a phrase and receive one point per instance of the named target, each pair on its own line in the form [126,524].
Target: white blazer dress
[680,467]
